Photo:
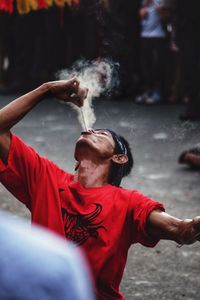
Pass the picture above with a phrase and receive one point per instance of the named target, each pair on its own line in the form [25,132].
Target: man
[88,207]
[39,265]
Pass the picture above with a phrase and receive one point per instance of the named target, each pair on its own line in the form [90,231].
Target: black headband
[120,146]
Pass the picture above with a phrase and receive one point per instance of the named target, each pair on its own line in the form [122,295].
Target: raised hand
[189,231]
[68,91]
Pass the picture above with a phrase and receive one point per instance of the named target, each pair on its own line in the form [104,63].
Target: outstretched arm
[66,90]
[163,226]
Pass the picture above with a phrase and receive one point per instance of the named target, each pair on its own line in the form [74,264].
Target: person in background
[36,264]
[188,40]
[89,207]
[191,157]
[153,51]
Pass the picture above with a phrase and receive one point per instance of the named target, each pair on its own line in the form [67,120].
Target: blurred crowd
[156,43]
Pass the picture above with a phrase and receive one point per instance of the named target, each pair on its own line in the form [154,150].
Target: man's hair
[118,171]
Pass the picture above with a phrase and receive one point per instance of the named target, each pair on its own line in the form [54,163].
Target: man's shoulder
[124,192]
[23,148]
[133,194]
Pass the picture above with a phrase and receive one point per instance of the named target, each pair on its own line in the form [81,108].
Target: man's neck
[92,174]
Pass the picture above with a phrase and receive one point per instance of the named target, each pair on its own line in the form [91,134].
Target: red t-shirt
[104,221]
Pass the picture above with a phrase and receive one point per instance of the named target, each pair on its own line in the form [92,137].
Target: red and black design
[79,227]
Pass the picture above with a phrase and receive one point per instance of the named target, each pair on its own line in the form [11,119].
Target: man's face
[97,142]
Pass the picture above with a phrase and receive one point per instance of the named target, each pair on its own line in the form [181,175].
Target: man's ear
[120,158]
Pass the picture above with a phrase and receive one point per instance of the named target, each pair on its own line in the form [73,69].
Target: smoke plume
[100,77]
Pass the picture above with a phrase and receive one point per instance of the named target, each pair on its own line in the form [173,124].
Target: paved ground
[157,138]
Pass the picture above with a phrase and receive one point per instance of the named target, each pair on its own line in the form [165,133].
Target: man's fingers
[86,93]
[74,83]
[196,223]
[79,98]
[71,91]
[198,237]
[73,98]
[79,101]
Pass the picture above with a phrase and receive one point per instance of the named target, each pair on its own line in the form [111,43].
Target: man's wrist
[45,89]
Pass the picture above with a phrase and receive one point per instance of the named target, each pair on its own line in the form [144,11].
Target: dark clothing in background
[5,44]
[41,43]
[45,41]
[89,28]
[120,35]
[153,55]
[188,39]
[25,33]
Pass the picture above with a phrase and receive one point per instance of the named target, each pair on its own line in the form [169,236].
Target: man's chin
[82,142]
[81,147]
[85,147]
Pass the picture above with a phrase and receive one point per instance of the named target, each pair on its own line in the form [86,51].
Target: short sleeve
[22,171]
[140,208]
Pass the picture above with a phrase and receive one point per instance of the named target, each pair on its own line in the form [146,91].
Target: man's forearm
[17,109]
[65,90]
[164,226]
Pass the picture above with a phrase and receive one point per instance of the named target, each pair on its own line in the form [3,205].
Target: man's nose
[89,131]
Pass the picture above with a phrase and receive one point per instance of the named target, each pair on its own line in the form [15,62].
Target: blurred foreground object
[191,157]
[35,264]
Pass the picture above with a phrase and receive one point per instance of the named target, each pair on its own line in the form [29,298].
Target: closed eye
[103,132]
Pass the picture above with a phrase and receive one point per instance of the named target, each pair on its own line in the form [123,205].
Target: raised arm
[66,90]
[163,226]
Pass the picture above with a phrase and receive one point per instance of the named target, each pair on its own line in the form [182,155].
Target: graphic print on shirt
[79,227]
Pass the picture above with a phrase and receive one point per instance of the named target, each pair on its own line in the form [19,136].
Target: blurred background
[40,37]
[155,42]
[156,107]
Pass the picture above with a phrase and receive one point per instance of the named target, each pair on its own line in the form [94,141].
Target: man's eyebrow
[103,131]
